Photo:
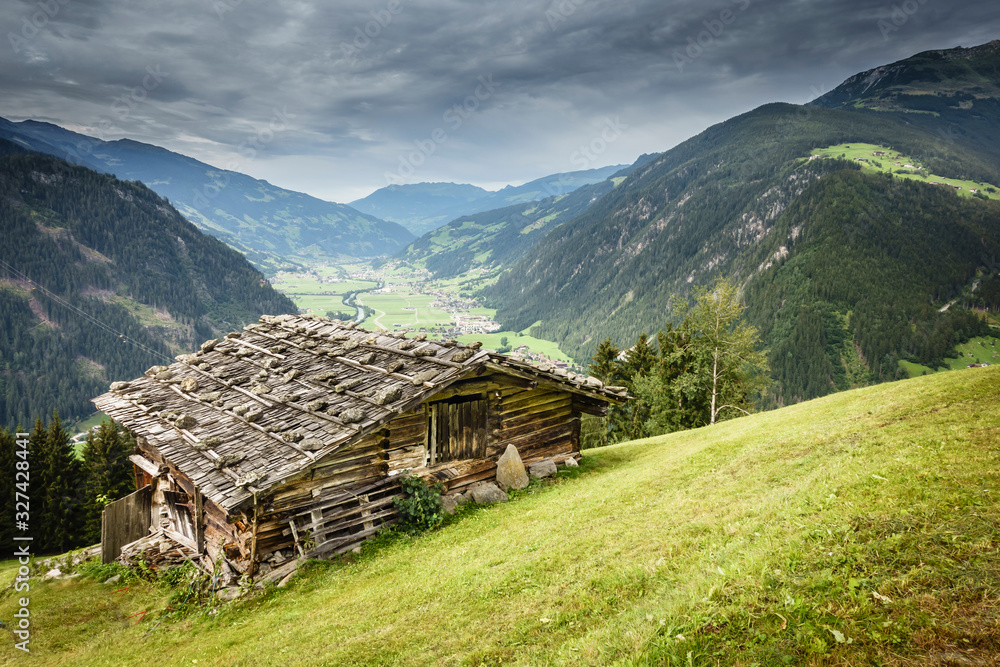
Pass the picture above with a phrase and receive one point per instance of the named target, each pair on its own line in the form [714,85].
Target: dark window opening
[456,429]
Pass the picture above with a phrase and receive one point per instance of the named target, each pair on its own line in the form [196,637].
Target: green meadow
[981,350]
[855,529]
[405,309]
[887,163]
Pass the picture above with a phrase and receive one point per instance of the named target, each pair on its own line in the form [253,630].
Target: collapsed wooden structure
[293,433]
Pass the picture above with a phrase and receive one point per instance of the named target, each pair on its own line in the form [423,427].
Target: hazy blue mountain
[422,207]
[265,222]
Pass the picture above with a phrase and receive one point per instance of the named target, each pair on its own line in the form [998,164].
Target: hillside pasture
[864,155]
[980,350]
[859,528]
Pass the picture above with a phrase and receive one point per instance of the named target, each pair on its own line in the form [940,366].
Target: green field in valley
[402,310]
[896,163]
[320,290]
[536,345]
[859,528]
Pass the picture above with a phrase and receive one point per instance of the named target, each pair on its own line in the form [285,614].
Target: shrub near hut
[420,507]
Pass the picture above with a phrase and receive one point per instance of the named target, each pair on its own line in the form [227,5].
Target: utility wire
[83,314]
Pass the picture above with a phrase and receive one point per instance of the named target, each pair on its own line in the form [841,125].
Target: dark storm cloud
[361,82]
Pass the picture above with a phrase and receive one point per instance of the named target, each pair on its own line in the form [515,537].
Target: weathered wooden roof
[256,407]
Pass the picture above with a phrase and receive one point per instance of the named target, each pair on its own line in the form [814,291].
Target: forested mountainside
[952,93]
[265,222]
[87,257]
[500,237]
[853,276]
[712,206]
[423,207]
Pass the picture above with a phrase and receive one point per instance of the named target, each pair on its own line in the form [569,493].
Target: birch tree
[735,369]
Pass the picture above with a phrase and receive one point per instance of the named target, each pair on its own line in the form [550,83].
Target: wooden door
[457,429]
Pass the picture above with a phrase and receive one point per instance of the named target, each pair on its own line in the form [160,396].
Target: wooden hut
[289,437]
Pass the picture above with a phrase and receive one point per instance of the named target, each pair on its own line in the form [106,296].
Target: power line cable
[84,314]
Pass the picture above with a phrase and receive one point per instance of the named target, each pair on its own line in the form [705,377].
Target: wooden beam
[552,382]
[199,521]
[590,406]
[252,567]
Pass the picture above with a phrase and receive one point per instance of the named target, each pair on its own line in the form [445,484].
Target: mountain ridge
[102,278]
[423,207]
[265,222]
[711,206]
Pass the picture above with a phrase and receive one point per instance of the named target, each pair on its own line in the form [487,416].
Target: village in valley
[395,297]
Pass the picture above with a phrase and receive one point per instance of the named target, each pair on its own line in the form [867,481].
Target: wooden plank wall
[306,499]
[347,497]
[125,520]
[219,531]
[540,423]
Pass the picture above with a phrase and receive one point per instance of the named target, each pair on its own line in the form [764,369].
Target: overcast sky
[339,98]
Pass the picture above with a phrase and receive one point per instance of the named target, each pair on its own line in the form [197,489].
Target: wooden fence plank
[124,521]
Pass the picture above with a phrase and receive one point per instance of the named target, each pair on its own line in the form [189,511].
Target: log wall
[348,497]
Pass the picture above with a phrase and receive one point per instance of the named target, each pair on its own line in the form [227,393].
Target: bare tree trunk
[715,383]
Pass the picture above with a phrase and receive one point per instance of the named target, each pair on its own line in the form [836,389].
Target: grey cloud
[363,80]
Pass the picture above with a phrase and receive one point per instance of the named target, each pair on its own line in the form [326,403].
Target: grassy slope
[980,350]
[888,164]
[757,541]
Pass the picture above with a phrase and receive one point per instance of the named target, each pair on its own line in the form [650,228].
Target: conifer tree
[59,527]
[107,474]
[672,390]
[7,485]
[606,365]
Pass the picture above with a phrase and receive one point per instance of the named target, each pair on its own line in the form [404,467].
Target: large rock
[228,594]
[543,468]
[487,493]
[452,501]
[510,470]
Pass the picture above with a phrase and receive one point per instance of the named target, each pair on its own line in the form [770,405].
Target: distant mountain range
[500,237]
[100,279]
[268,224]
[422,207]
[847,268]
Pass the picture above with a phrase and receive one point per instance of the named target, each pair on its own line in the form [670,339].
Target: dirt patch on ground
[39,312]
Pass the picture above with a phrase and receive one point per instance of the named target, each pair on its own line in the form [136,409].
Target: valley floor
[859,528]
[397,297]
